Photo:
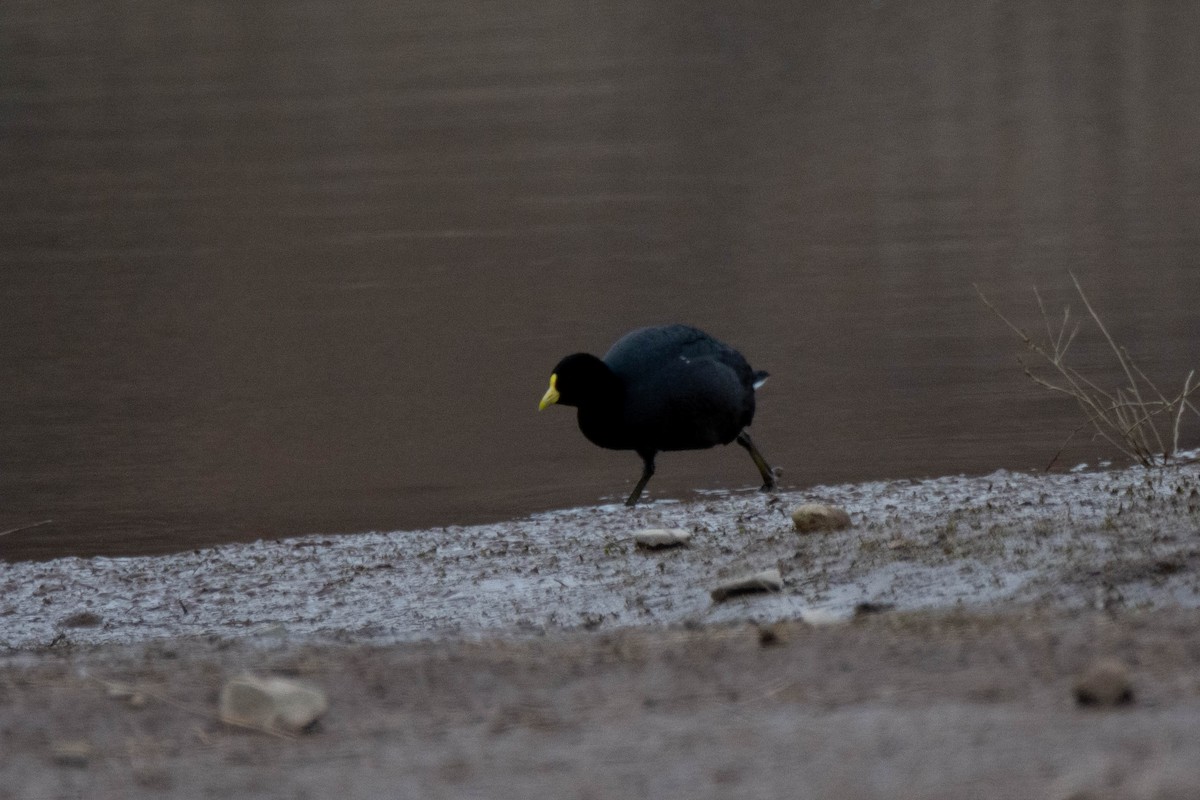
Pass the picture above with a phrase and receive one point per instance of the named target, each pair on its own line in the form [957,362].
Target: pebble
[769,635]
[82,619]
[868,607]
[813,517]
[271,703]
[769,580]
[656,538]
[73,753]
[1105,683]
[824,616]
[123,691]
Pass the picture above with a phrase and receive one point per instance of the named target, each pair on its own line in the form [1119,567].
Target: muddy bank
[1118,539]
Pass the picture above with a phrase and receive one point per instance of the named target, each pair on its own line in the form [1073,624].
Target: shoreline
[933,650]
[1116,538]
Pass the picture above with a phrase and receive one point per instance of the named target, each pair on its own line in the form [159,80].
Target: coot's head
[580,379]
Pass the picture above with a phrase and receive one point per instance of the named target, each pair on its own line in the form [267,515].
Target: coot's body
[665,388]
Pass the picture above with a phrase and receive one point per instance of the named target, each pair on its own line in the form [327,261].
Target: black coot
[667,388]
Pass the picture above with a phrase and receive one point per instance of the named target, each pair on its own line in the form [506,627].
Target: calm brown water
[284,267]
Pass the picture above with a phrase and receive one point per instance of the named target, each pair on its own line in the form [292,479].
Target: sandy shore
[550,656]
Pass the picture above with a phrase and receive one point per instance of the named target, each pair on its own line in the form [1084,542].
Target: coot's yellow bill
[551,395]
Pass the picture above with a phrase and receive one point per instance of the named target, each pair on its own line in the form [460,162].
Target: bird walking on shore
[672,387]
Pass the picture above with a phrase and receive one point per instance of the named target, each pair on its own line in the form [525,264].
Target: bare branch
[1137,419]
[1179,414]
[20,528]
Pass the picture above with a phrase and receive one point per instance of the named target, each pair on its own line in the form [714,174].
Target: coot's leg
[647,471]
[768,474]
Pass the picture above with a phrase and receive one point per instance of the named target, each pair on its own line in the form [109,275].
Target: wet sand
[929,651]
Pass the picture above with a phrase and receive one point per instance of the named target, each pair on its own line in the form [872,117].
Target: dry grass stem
[30,526]
[1137,418]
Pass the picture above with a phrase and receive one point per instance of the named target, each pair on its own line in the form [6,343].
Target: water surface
[286,267]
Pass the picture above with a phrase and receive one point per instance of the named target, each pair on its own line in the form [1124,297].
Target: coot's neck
[602,410]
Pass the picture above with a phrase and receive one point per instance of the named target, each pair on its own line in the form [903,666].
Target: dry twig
[20,528]
[1136,418]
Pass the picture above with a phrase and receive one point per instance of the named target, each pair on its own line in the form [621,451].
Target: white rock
[769,580]
[812,517]
[824,616]
[654,538]
[271,703]
[1104,683]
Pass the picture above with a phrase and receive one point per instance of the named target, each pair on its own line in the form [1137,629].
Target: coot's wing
[688,404]
[712,400]
[642,353]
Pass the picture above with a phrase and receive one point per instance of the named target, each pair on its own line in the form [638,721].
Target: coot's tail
[760,378]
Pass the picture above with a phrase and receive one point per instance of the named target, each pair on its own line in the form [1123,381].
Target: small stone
[869,607]
[769,635]
[824,616]
[82,619]
[813,517]
[656,538]
[123,691]
[72,753]
[1105,683]
[769,580]
[271,703]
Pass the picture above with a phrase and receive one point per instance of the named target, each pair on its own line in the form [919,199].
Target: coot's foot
[772,483]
